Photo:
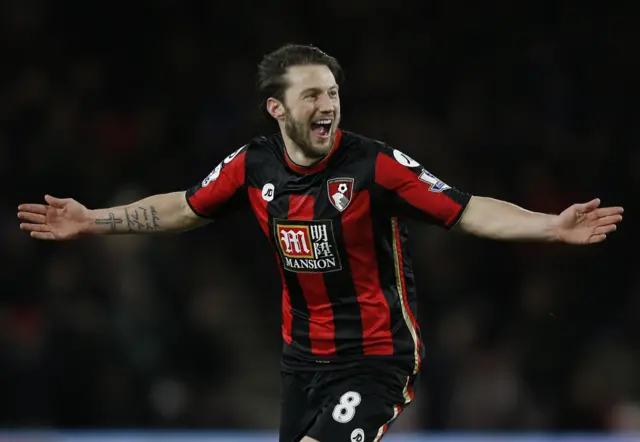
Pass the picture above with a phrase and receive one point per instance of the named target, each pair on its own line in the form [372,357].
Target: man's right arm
[167,212]
[219,193]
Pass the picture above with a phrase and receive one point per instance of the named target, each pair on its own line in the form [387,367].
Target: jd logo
[357,435]
[267,192]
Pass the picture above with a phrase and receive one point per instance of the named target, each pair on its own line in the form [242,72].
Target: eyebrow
[315,89]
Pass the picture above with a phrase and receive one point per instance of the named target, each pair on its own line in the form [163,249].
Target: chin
[323,146]
[322,149]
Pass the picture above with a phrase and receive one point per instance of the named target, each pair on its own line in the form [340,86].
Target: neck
[297,155]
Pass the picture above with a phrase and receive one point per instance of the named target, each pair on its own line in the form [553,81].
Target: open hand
[587,223]
[59,219]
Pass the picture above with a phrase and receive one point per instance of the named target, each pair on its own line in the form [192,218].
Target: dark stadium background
[110,101]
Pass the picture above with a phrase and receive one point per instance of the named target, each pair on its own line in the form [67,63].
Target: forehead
[310,76]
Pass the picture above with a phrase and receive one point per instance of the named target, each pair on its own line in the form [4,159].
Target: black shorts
[356,404]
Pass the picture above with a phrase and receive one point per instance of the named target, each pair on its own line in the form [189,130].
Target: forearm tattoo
[112,221]
[142,218]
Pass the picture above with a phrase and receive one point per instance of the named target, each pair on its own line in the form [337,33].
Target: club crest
[340,192]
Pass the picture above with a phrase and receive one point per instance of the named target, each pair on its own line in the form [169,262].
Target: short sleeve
[409,190]
[223,190]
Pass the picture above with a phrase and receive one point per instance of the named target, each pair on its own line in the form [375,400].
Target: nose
[324,104]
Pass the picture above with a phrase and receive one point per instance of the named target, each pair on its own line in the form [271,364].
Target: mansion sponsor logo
[307,246]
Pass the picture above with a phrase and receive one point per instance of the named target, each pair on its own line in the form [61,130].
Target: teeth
[323,122]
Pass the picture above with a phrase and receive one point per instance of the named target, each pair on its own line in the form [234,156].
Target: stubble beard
[300,134]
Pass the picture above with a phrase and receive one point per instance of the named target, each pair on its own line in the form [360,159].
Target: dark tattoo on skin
[112,221]
[155,218]
[142,218]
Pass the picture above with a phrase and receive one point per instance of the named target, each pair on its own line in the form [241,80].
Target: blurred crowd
[108,102]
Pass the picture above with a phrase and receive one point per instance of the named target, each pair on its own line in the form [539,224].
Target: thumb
[55,202]
[588,207]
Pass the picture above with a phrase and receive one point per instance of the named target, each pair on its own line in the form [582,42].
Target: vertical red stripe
[392,175]
[259,206]
[404,289]
[321,326]
[374,310]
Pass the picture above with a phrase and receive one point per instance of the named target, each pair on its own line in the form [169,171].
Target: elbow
[484,217]
[189,218]
[471,219]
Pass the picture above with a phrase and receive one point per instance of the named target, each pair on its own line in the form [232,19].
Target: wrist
[88,225]
[552,228]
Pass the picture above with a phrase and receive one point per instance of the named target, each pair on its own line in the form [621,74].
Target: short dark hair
[273,67]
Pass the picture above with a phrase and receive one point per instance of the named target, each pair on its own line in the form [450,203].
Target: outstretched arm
[66,218]
[414,192]
[579,224]
[158,213]
[221,192]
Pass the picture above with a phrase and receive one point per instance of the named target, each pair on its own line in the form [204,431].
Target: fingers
[32,217]
[588,207]
[617,210]
[608,211]
[611,219]
[600,230]
[605,225]
[55,202]
[597,238]
[605,212]
[33,208]
[30,227]
[43,235]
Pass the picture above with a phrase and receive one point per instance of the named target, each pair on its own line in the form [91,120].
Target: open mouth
[322,128]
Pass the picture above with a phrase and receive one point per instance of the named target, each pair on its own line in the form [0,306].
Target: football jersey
[338,229]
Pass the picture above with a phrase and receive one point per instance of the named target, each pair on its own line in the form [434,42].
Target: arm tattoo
[112,221]
[155,218]
[142,218]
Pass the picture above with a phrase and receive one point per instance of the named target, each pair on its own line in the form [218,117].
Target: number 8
[346,409]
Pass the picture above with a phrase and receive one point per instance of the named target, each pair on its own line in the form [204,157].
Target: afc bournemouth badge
[340,192]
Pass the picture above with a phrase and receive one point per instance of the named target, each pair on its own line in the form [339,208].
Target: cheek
[304,112]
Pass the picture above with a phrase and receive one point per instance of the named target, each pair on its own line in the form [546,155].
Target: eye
[333,93]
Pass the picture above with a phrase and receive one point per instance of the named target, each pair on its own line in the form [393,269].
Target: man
[333,204]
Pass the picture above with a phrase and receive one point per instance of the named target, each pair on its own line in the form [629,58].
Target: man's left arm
[411,191]
[579,224]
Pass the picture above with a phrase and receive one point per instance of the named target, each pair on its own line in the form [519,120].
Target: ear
[276,109]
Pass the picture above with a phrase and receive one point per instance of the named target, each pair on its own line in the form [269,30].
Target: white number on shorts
[346,409]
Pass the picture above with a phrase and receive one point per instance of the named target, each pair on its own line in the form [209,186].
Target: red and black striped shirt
[339,233]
